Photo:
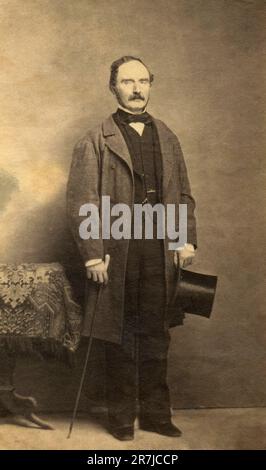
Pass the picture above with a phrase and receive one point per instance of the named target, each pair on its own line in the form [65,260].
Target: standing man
[135,159]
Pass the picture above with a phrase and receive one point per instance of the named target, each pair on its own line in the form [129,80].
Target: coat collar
[115,141]
[167,151]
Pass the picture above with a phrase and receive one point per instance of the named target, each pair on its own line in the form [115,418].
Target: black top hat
[194,292]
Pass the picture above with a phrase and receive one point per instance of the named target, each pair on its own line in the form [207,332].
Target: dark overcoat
[102,165]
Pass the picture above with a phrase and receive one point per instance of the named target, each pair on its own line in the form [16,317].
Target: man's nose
[136,87]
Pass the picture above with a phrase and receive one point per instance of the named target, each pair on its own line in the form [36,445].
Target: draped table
[37,314]
[37,309]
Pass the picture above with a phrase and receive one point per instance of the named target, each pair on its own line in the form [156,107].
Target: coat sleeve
[186,197]
[83,187]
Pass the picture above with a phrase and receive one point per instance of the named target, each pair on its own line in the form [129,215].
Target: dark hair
[123,60]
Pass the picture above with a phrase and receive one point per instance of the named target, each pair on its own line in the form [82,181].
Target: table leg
[12,401]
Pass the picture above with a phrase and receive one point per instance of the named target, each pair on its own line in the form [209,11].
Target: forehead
[133,69]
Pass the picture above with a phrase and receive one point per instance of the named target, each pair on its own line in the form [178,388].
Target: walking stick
[100,287]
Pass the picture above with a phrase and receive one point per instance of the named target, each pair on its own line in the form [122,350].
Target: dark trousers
[136,370]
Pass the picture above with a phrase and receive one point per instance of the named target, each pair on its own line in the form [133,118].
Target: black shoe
[164,428]
[123,433]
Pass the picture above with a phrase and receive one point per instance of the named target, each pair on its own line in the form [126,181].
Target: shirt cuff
[92,262]
[188,247]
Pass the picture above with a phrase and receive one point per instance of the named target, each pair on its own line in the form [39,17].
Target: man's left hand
[183,257]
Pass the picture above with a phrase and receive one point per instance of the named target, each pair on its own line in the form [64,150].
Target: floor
[236,429]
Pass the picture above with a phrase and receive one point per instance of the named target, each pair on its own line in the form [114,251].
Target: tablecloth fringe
[42,348]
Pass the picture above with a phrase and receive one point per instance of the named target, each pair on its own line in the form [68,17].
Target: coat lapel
[116,142]
[167,152]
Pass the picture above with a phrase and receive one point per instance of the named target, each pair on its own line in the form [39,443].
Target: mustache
[136,96]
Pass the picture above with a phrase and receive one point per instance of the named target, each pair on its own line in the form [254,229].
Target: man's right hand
[98,272]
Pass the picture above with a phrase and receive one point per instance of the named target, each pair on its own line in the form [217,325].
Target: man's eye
[144,81]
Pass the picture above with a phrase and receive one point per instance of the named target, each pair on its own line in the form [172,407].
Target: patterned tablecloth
[37,310]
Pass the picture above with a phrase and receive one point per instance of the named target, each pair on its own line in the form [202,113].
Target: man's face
[133,85]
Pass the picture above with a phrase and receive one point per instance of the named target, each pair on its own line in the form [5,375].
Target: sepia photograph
[133,227]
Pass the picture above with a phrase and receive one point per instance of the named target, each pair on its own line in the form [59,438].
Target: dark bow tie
[128,118]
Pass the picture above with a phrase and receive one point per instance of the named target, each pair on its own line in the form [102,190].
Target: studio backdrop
[207,58]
